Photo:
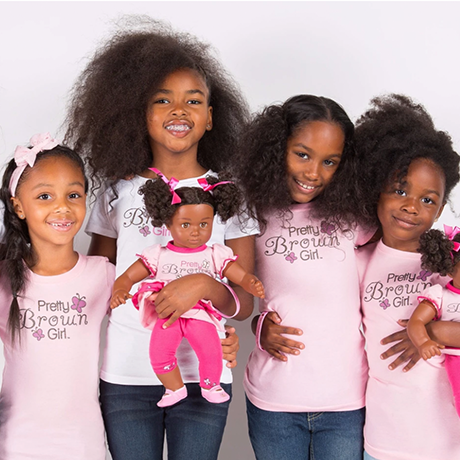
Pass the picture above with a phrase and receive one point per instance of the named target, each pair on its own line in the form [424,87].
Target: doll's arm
[271,337]
[123,284]
[249,282]
[445,332]
[416,329]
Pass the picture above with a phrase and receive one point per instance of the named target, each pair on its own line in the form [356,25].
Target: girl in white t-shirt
[52,303]
[305,396]
[408,169]
[152,97]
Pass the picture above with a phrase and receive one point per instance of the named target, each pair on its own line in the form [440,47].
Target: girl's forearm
[446,333]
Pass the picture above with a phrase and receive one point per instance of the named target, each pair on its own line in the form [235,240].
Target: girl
[52,302]
[408,169]
[298,165]
[440,254]
[156,98]
[188,217]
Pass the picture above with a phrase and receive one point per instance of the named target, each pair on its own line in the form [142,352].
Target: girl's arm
[416,329]
[445,332]
[123,284]
[103,246]
[249,282]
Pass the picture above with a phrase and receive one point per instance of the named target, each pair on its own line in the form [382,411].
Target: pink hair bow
[208,187]
[171,183]
[24,156]
[451,232]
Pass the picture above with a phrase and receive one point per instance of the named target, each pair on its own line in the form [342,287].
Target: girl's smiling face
[179,113]
[408,209]
[313,155]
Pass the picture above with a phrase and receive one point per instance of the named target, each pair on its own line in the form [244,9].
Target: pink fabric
[409,416]
[203,339]
[49,407]
[308,269]
[453,373]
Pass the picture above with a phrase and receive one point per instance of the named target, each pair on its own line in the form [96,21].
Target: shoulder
[99,265]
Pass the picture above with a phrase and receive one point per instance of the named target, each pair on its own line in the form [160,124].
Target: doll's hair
[389,136]
[226,199]
[437,252]
[262,160]
[16,250]
[106,121]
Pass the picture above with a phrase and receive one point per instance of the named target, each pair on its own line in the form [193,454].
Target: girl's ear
[17,206]
[209,120]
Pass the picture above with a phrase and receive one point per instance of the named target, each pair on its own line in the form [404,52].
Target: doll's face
[312,157]
[408,209]
[191,225]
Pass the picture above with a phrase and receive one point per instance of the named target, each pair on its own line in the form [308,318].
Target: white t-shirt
[409,415]
[310,277]
[49,407]
[126,357]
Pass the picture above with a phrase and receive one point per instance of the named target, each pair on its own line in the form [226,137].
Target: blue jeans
[135,425]
[306,435]
[368,457]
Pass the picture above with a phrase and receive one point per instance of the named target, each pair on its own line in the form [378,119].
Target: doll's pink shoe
[172,397]
[216,394]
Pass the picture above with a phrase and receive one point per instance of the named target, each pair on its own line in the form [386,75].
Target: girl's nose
[62,205]
[312,172]
[410,205]
[178,109]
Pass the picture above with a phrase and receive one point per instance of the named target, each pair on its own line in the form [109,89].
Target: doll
[440,254]
[188,213]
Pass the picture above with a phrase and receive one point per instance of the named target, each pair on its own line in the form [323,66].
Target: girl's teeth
[61,225]
[307,187]
[177,128]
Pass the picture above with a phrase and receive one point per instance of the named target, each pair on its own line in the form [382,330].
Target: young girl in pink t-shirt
[408,169]
[305,395]
[52,303]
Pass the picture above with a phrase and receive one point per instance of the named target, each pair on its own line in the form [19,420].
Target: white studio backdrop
[348,51]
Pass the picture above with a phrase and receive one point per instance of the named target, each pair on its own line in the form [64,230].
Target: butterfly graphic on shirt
[327,228]
[38,334]
[145,230]
[291,257]
[78,303]
[424,274]
[385,304]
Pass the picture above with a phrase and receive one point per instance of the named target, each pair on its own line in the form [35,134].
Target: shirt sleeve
[102,217]
[433,294]
[222,256]
[150,257]
[241,226]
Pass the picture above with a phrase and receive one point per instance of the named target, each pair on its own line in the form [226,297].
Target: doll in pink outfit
[440,254]
[188,213]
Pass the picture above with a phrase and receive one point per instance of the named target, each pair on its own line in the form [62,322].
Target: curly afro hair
[437,252]
[106,121]
[225,199]
[389,136]
[262,161]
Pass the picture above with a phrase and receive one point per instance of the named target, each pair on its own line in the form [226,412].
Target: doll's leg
[204,340]
[163,346]
[453,372]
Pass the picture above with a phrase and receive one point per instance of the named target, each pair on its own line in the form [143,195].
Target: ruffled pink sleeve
[433,294]
[150,257]
[222,256]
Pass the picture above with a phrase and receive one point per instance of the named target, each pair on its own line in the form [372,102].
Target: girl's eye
[185,225]
[194,102]
[44,196]
[329,162]
[74,195]
[161,101]
[400,192]
[302,155]
[427,200]
[203,224]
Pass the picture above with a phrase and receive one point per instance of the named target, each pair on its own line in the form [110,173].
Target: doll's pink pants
[204,340]
[453,373]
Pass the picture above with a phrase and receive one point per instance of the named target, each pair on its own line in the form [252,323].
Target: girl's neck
[55,262]
[181,166]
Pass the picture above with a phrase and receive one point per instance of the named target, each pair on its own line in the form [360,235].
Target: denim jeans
[135,425]
[368,457]
[306,435]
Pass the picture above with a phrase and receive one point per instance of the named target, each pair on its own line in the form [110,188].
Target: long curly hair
[389,137]
[437,252]
[225,199]
[106,120]
[262,161]
[16,250]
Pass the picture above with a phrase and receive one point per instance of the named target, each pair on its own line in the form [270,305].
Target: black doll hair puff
[437,252]
[106,119]
[225,199]
[389,136]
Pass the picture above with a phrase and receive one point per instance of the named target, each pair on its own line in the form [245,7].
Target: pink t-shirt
[49,406]
[409,416]
[309,272]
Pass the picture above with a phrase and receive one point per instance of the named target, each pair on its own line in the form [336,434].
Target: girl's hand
[276,344]
[230,346]
[180,296]
[408,351]
[429,349]
[118,297]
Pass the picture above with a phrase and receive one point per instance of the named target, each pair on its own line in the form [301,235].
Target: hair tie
[208,187]
[451,233]
[172,184]
[24,156]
